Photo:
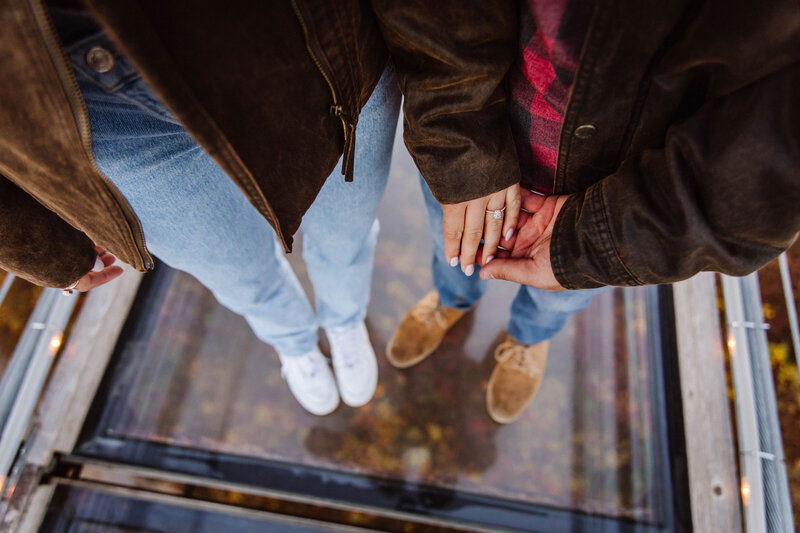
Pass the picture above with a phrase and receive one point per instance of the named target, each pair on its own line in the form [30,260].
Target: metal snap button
[585,131]
[99,59]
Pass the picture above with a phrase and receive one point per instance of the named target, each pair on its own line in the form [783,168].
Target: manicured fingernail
[486,275]
[488,260]
[469,270]
[98,265]
[509,234]
[453,261]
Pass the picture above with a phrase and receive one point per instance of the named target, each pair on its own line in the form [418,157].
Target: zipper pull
[349,155]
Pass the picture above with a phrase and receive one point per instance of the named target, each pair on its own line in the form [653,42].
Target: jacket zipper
[348,124]
[82,120]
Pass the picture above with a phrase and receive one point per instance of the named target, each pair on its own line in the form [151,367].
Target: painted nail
[98,265]
[509,234]
[488,260]
[469,270]
[486,275]
[453,261]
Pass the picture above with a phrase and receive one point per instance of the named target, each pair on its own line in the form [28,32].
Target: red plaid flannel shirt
[551,36]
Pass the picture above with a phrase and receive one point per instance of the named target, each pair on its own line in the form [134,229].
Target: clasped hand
[524,253]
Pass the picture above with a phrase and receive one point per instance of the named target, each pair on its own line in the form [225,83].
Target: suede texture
[421,331]
[32,235]
[43,154]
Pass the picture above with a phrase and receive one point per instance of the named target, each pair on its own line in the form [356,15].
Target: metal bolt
[585,131]
[99,59]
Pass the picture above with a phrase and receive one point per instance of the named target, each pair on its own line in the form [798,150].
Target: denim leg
[454,287]
[340,229]
[538,315]
[194,217]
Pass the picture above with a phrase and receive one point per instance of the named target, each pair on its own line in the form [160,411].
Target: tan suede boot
[515,379]
[421,331]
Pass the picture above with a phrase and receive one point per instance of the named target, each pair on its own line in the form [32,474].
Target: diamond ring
[496,213]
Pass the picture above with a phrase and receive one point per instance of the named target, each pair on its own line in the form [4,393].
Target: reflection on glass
[85,511]
[197,377]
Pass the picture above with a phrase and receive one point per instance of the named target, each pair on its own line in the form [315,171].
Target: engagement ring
[496,213]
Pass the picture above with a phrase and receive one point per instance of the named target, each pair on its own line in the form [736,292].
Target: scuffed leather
[695,165]
[451,57]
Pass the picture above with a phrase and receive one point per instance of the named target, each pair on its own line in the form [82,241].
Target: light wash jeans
[197,220]
[536,314]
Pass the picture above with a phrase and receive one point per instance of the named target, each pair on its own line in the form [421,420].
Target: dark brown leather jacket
[272,91]
[679,146]
[681,142]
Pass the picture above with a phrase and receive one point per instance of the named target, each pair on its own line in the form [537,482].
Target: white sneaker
[310,379]
[354,363]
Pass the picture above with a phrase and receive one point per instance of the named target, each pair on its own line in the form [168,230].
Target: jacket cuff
[582,250]
[470,167]
[472,189]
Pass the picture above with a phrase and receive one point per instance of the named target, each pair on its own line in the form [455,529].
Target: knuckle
[475,234]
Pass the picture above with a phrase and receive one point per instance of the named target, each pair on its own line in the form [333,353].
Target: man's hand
[465,224]
[528,261]
[101,274]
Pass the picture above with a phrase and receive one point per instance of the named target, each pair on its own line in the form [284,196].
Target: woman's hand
[466,223]
[101,274]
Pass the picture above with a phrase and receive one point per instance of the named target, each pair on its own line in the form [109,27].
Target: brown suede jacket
[679,145]
[271,90]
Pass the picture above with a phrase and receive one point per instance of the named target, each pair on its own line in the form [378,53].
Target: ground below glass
[203,380]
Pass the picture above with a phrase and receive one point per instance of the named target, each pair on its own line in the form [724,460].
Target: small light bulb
[731,343]
[745,491]
[55,343]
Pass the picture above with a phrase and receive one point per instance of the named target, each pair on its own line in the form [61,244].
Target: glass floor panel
[191,389]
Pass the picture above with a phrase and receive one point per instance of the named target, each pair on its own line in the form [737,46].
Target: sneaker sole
[349,401]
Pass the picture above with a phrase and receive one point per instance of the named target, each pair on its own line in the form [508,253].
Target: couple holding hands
[562,144]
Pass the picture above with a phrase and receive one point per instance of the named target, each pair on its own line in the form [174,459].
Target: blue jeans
[197,220]
[536,314]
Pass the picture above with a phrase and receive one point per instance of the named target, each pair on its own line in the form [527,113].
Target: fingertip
[453,261]
[108,259]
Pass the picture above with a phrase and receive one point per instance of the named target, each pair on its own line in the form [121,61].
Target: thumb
[519,270]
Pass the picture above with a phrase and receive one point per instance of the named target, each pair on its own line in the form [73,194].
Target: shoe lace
[516,356]
[428,311]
